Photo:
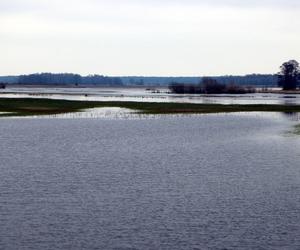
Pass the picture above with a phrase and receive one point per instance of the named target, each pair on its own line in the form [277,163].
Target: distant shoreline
[155,89]
[270,89]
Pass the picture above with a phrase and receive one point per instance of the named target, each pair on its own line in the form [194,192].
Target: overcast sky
[148,37]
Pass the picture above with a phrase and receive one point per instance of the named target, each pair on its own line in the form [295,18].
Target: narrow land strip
[36,106]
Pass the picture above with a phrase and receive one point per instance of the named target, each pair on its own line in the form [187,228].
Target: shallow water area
[218,181]
[95,113]
[143,95]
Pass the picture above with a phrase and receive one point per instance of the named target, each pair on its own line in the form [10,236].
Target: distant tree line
[262,80]
[68,79]
[288,78]
[210,86]
[8,79]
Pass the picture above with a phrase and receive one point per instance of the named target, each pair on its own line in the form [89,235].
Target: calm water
[202,182]
[143,95]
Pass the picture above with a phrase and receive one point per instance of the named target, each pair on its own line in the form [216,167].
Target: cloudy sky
[148,37]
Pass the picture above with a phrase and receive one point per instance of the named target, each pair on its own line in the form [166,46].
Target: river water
[226,181]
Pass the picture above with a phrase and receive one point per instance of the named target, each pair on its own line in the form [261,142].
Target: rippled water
[143,95]
[199,182]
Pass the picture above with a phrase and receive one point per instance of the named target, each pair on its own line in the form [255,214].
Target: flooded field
[226,181]
[146,95]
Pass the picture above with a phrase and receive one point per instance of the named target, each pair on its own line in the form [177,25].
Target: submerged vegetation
[32,106]
[297,129]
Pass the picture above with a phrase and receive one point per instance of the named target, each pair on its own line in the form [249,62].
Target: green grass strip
[39,106]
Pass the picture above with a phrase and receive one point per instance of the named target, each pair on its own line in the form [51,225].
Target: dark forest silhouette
[74,79]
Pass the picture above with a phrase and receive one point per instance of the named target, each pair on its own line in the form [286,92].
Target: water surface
[144,95]
[227,181]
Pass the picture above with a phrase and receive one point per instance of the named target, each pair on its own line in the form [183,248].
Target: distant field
[30,106]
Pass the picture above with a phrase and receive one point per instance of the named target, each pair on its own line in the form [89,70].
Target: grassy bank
[30,106]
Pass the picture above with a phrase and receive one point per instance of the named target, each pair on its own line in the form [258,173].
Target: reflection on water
[115,113]
[293,116]
[109,113]
[142,95]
